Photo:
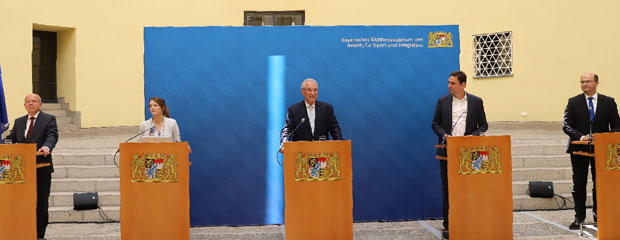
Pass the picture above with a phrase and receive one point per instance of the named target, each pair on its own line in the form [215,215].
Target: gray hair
[309,80]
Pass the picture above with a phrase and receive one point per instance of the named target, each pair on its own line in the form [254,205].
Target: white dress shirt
[311,114]
[594,101]
[459,107]
[28,122]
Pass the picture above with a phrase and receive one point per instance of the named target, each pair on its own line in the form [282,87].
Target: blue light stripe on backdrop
[383,82]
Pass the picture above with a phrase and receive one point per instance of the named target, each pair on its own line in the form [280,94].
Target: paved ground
[526,225]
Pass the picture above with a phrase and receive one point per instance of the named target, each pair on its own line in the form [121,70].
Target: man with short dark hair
[587,113]
[40,128]
[457,114]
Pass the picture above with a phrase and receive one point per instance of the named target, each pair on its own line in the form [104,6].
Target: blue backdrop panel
[229,86]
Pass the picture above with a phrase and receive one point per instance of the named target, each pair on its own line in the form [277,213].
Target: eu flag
[4,120]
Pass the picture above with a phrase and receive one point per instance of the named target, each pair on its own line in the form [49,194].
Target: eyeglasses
[586,82]
[311,89]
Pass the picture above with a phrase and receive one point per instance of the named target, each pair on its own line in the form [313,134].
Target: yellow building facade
[100,67]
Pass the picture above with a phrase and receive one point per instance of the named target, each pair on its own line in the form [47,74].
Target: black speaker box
[540,189]
[85,201]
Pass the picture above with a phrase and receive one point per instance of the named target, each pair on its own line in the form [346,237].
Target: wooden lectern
[480,187]
[18,191]
[607,161]
[318,193]
[154,191]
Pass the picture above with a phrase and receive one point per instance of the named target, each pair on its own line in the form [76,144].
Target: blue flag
[4,120]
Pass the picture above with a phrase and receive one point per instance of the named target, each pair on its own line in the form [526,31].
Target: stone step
[67,128]
[525,202]
[539,149]
[64,199]
[129,131]
[67,214]
[51,106]
[84,160]
[77,171]
[562,187]
[64,120]
[529,161]
[85,184]
[58,112]
[542,174]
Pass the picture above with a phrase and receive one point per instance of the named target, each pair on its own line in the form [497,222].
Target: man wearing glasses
[585,114]
[310,119]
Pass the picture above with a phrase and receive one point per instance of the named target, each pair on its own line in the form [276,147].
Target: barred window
[492,55]
[273,18]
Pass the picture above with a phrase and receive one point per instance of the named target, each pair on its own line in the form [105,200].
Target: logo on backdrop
[613,157]
[317,167]
[479,160]
[154,167]
[439,39]
[11,169]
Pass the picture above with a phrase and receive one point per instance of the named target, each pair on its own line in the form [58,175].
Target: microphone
[452,128]
[287,136]
[295,129]
[119,148]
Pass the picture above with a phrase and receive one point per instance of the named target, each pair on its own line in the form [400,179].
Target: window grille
[271,18]
[492,55]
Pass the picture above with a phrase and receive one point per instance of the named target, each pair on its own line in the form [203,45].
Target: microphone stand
[452,128]
[288,136]
[119,149]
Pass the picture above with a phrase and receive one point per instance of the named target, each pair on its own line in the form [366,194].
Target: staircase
[539,154]
[83,162]
[67,120]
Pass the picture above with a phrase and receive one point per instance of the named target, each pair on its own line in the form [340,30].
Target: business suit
[44,133]
[475,123]
[577,124]
[325,123]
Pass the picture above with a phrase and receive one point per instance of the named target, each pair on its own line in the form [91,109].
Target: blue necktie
[591,108]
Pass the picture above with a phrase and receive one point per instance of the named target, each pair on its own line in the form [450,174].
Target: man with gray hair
[310,119]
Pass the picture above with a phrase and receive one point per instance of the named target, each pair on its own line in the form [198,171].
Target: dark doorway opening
[44,54]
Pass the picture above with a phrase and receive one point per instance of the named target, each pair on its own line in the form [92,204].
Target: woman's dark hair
[162,104]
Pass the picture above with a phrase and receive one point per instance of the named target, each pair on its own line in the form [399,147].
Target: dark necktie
[30,128]
[591,108]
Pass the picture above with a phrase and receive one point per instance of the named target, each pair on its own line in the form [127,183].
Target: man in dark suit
[313,119]
[40,128]
[456,114]
[587,113]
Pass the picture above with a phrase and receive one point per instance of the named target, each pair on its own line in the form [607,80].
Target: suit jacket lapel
[305,113]
[316,116]
[21,128]
[449,113]
[599,103]
[582,107]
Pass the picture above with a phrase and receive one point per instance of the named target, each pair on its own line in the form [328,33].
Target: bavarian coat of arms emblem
[11,169]
[154,167]
[317,167]
[479,160]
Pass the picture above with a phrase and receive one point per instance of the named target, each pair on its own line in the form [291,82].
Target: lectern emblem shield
[613,157]
[154,167]
[11,169]
[479,160]
[317,167]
